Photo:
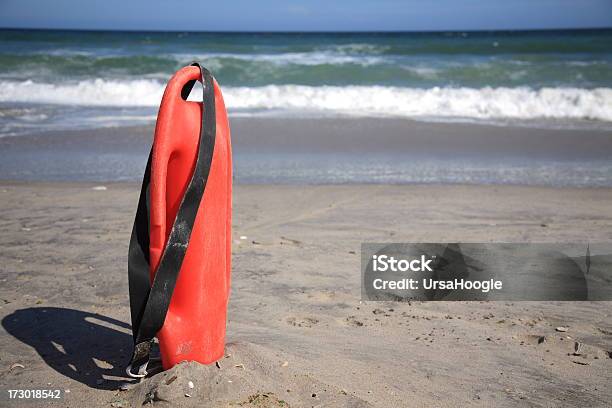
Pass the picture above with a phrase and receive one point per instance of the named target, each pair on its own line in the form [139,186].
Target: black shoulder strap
[149,302]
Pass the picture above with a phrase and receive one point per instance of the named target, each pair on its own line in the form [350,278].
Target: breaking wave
[356,100]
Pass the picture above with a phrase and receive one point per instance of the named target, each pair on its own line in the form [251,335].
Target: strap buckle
[140,359]
[142,371]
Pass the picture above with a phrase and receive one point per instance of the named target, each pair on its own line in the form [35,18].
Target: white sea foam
[97,92]
[483,103]
[357,48]
[296,58]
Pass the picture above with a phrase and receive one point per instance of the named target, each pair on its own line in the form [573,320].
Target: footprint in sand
[353,321]
[566,345]
[302,321]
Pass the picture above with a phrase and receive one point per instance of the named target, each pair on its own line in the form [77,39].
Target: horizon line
[308,31]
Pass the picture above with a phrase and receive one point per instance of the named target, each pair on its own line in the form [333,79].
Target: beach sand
[298,334]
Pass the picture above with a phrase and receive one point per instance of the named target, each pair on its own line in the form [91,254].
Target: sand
[298,333]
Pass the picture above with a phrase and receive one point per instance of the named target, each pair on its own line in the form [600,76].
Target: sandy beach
[470,146]
[298,333]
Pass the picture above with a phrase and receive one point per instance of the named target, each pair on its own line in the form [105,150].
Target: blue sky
[314,15]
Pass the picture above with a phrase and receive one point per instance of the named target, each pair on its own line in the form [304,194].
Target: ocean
[67,80]
[58,79]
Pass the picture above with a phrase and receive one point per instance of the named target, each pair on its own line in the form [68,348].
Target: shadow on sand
[80,345]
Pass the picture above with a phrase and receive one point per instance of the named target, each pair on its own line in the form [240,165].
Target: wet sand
[298,333]
[352,135]
[355,150]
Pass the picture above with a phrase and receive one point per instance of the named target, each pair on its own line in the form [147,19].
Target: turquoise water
[581,59]
[117,78]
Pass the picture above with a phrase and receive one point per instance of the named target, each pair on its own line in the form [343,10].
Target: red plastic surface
[194,329]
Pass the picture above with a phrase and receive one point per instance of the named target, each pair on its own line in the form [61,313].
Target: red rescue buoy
[189,229]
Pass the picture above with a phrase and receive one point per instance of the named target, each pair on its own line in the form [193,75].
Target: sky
[313,15]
